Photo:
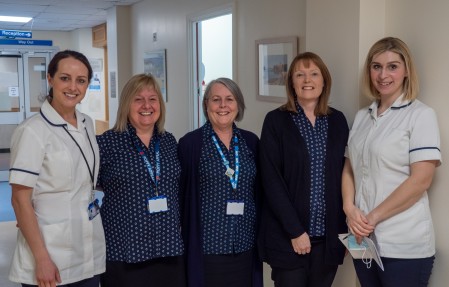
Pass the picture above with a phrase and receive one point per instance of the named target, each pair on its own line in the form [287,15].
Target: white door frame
[193,86]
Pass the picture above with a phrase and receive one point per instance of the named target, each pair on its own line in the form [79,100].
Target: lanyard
[233,176]
[148,164]
[91,171]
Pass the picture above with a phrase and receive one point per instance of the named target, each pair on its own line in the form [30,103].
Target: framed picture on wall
[273,59]
[155,63]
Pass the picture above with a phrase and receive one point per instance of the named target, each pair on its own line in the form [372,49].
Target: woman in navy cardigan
[219,178]
[301,157]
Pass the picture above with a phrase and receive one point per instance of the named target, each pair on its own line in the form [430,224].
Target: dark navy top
[226,234]
[132,233]
[315,138]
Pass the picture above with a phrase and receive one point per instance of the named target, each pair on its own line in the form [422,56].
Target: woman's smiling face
[69,84]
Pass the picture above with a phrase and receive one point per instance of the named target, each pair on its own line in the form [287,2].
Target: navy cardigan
[285,172]
[189,152]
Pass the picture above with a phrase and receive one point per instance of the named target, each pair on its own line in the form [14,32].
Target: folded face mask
[353,245]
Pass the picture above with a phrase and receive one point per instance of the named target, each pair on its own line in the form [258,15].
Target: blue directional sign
[26,42]
[16,34]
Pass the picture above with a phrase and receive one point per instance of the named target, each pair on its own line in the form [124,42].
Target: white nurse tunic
[381,150]
[45,157]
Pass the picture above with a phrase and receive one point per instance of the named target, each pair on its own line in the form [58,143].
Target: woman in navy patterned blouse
[139,174]
[219,181]
[301,158]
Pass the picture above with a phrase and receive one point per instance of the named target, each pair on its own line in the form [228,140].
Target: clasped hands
[359,224]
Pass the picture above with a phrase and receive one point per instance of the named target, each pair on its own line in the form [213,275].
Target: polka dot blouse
[226,234]
[132,233]
[315,138]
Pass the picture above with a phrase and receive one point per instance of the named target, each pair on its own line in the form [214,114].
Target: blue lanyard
[233,175]
[148,164]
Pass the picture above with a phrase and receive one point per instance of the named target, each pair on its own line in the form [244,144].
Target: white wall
[63,40]
[254,19]
[429,42]
[336,37]
[119,35]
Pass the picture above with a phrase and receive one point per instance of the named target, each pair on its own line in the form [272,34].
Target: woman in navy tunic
[219,181]
[139,174]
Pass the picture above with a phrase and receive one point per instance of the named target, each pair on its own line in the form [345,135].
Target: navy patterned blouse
[226,234]
[315,138]
[132,233]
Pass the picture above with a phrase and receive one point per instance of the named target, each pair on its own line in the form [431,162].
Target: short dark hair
[54,63]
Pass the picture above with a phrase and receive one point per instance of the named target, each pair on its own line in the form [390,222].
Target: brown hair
[322,108]
[54,63]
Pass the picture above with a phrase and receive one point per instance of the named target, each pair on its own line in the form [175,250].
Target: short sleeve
[27,155]
[425,138]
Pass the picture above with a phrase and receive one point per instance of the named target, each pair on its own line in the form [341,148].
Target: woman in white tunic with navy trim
[54,166]
[393,150]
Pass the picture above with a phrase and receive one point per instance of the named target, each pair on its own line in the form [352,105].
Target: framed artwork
[155,63]
[273,59]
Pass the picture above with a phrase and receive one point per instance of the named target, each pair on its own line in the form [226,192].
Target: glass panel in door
[11,105]
[35,74]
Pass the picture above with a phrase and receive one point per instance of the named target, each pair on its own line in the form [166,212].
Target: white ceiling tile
[52,14]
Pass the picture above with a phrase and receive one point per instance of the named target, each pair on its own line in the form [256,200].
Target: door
[23,87]
[211,55]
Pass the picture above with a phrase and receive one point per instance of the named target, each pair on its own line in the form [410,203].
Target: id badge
[235,207]
[157,204]
[93,209]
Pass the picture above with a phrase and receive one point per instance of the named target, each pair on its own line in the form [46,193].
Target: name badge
[93,209]
[157,204]
[234,207]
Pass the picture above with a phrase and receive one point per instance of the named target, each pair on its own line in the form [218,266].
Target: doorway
[211,55]
[23,87]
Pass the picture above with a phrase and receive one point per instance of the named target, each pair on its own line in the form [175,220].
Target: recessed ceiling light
[15,19]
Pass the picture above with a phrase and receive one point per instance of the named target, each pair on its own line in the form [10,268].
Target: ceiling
[57,15]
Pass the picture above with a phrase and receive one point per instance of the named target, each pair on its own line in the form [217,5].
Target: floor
[8,232]
[6,211]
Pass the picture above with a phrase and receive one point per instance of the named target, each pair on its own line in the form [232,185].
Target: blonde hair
[410,86]
[131,89]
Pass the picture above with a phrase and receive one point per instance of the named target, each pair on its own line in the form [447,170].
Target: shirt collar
[132,130]
[399,104]
[51,116]
[209,131]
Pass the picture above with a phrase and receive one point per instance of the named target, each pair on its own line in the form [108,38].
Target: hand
[47,274]
[301,245]
[358,223]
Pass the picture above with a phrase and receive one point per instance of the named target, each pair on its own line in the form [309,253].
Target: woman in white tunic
[54,166]
[393,150]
